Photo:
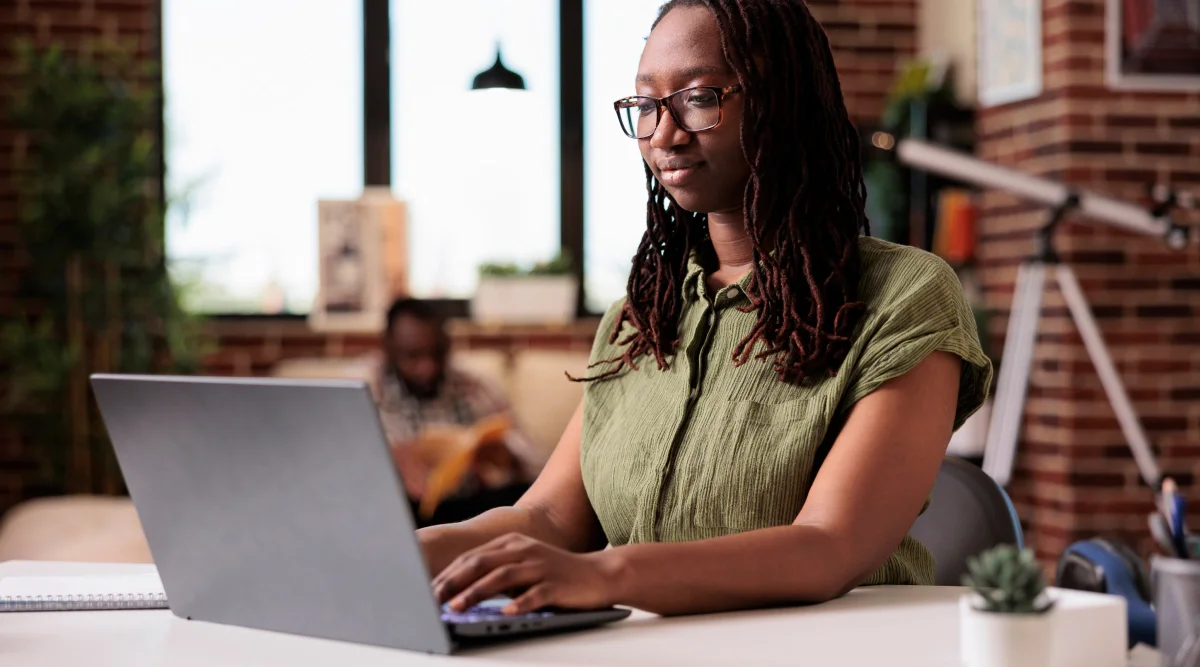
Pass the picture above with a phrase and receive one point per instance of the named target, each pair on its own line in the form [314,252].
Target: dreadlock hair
[804,203]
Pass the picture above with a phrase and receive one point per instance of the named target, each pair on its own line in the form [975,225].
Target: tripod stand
[1013,382]
[1005,425]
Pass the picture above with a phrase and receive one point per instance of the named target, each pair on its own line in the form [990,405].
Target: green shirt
[706,448]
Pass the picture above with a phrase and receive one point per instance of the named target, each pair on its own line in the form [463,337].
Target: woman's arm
[555,510]
[864,500]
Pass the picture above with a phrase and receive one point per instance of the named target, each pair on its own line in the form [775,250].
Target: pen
[1178,526]
[1161,532]
[1167,502]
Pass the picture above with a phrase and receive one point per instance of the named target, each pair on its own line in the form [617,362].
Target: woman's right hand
[437,547]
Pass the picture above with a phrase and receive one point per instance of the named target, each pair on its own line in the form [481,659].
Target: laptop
[274,504]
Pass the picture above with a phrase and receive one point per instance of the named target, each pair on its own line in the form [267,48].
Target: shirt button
[734,292]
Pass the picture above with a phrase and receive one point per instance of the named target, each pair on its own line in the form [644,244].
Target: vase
[525,300]
[995,639]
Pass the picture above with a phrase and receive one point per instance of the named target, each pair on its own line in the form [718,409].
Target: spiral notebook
[41,593]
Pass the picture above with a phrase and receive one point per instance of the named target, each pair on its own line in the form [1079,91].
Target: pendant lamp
[498,76]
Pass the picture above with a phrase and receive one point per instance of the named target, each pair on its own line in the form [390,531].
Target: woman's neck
[732,246]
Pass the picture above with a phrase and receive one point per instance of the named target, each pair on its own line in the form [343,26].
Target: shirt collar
[694,287]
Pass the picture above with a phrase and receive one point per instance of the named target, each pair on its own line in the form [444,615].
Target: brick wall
[255,346]
[870,39]
[1075,477]
[68,21]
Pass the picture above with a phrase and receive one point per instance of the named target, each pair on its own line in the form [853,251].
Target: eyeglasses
[693,109]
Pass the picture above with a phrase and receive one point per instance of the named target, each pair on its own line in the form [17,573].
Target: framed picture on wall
[1153,44]
[362,263]
[348,292]
[1010,51]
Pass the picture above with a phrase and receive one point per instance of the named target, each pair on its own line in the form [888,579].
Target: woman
[770,403]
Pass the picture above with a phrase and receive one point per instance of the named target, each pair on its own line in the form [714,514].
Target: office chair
[967,514]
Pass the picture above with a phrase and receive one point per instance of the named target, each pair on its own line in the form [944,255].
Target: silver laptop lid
[273,504]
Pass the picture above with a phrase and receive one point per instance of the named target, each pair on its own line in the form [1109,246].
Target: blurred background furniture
[968,513]
[535,380]
[107,529]
[74,528]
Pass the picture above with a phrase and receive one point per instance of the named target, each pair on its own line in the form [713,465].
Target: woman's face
[704,171]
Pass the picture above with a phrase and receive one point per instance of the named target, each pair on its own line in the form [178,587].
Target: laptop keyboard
[487,610]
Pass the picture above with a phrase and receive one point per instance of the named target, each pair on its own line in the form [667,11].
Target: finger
[538,596]
[466,559]
[461,574]
[504,543]
[503,578]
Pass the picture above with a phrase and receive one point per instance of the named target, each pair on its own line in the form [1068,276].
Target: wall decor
[1152,44]
[1010,51]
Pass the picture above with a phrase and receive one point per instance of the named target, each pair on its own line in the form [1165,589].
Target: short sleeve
[918,309]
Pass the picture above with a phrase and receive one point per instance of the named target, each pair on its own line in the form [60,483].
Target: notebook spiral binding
[83,602]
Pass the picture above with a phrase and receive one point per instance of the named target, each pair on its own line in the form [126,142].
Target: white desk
[893,626]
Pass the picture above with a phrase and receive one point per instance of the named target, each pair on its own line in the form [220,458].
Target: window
[263,115]
[478,170]
[615,186]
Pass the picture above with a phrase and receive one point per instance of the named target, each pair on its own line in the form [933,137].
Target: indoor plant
[1005,620]
[546,293]
[95,294]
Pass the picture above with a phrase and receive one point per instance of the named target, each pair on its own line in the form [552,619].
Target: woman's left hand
[544,576]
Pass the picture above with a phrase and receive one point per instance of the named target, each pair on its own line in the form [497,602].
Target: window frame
[377,130]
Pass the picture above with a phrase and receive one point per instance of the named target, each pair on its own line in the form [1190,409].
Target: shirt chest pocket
[755,462]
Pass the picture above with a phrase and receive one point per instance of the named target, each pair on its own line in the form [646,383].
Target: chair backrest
[968,513]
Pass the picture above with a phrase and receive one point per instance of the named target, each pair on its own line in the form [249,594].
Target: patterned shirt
[706,448]
[463,400]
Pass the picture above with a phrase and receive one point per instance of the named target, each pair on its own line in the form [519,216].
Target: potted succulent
[1004,621]
[545,293]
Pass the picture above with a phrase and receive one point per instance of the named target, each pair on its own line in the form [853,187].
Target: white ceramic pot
[991,639]
[525,300]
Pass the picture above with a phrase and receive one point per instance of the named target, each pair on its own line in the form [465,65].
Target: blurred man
[419,392]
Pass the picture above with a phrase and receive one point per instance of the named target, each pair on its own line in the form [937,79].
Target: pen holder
[1176,586]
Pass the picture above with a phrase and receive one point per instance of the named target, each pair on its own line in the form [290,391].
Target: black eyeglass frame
[664,102]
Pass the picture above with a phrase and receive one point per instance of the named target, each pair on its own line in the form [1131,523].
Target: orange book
[954,239]
[452,452]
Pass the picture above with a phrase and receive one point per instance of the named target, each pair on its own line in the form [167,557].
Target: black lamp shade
[498,76]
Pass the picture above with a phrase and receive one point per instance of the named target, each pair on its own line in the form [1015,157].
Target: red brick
[1122,120]
[105,5]
[1133,338]
[1161,148]
[1165,310]
[1105,479]
[1093,256]
[1131,175]
[1164,423]
[891,30]
[1133,284]
[1184,123]
[1163,259]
